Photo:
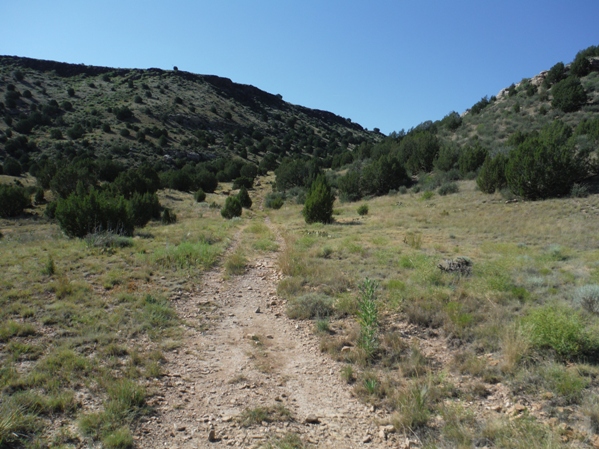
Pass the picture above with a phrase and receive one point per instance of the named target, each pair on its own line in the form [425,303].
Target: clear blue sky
[389,64]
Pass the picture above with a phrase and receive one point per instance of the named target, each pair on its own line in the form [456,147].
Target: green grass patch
[562,329]
[309,306]
[11,329]
[254,416]
[187,255]
[236,263]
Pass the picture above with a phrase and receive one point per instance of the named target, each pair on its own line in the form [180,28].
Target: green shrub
[448,188]
[447,158]
[76,131]
[516,107]
[71,92]
[581,66]
[12,167]
[123,113]
[555,75]
[566,383]
[419,149]
[13,200]
[491,176]
[295,173]
[274,200]
[363,209]
[200,196]
[249,171]
[368,340]
[66,179]
[319,202]
[39,196]
[85,213]
[50,211]
[568,95]
[232,208]
[561,329]
[480,105]
[143,179]
[243,181]
[545,165]
[349,186]
[168,217]
[144,207]
[579,191]
[587,297]
[56,133]
[386,173]
[313,305]
[427,195]
[244,198]
[471,158]
[452,121]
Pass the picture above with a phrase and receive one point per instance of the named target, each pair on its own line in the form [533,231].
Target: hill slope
[528,105]
[156,114]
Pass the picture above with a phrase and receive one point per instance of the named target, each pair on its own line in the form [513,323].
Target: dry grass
[107,310]
[524,255]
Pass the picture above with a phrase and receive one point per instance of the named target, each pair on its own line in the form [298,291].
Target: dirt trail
[251,356]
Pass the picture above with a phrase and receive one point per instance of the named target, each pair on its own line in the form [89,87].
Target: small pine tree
[168,217]
[83,213]
[144,207]
[232,208]
[491,176]
[318,207]
[581,66]
[244,198]
[471,158]
[12,167]
[568,95]
[13,200]
[363,209]
[555,74]
[546,165]
[39,196]
[200,196]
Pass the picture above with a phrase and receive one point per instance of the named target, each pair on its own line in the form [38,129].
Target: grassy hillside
[156,115]
[526,107]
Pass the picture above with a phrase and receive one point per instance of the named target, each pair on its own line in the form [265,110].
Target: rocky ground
[240,353]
